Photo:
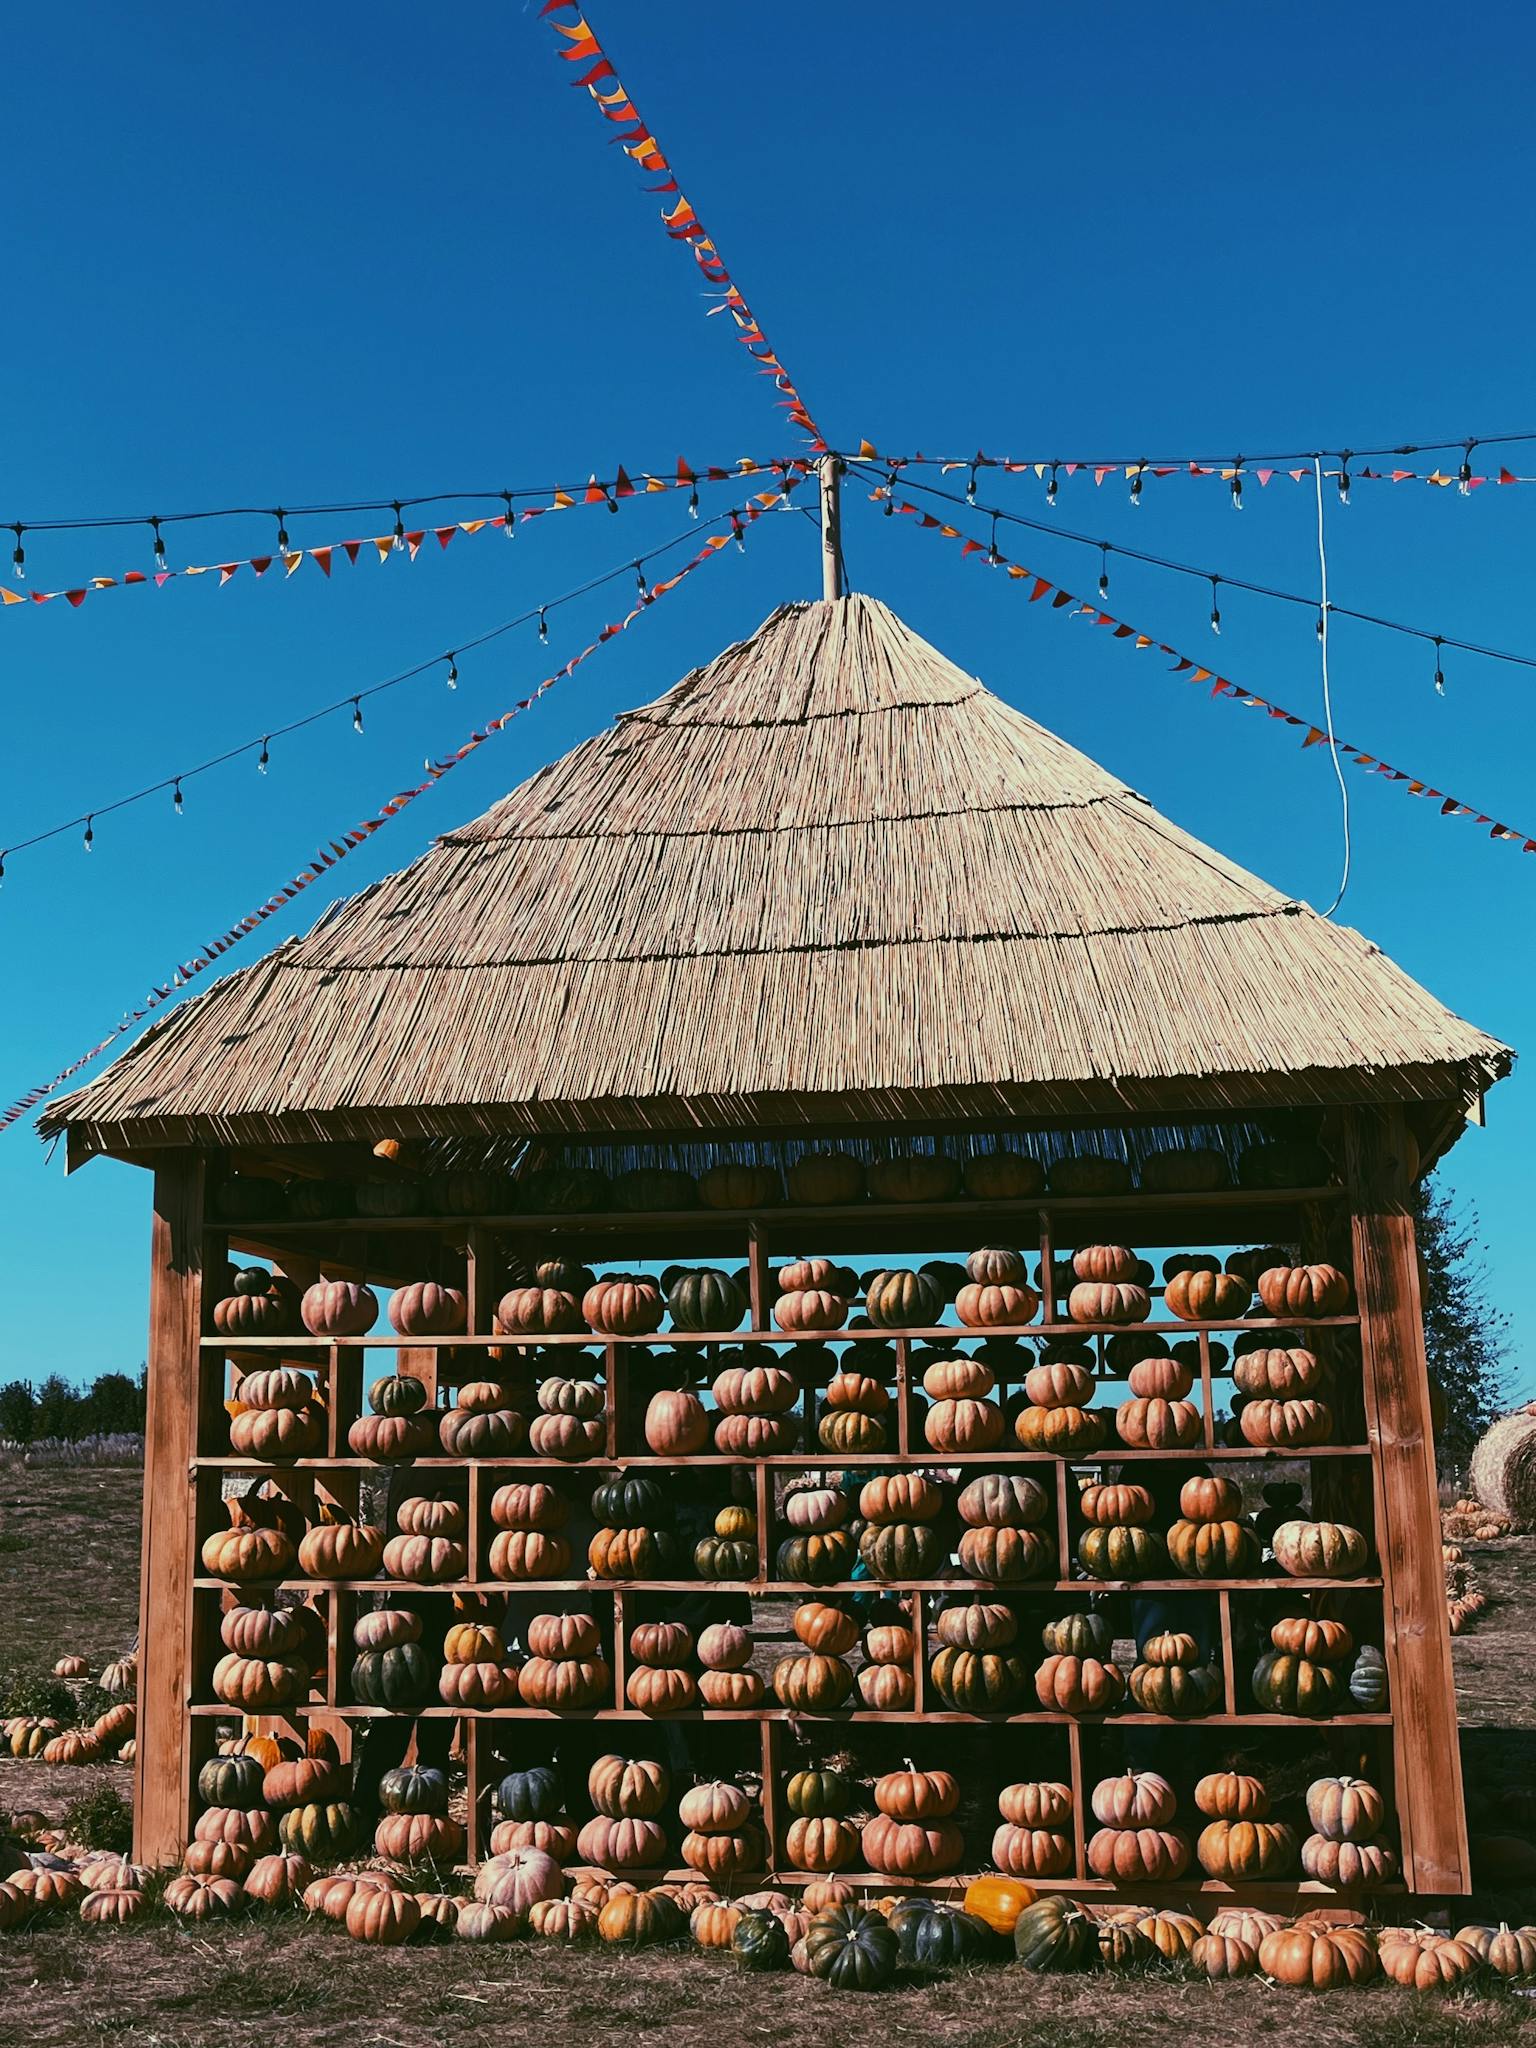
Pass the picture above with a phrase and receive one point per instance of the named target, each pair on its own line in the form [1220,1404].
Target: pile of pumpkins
[819,1177]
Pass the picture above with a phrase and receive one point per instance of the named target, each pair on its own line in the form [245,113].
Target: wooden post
[1379,1160]
[830,470]
[162,1792]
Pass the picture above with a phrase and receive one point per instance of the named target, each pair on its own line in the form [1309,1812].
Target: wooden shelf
[1015,1589]
[949,1333]
[750,1715]
[798,1461]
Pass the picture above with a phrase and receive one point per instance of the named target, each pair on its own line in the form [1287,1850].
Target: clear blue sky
[394,252]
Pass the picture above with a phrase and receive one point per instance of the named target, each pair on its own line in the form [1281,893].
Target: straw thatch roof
[827,877]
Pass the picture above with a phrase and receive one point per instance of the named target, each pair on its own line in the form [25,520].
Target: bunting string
[1233,470]
[1042,587]
[446,663]
[680,220]
[401,541]
[337,849]
[883,492]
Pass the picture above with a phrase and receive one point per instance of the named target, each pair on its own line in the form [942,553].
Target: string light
[2,867]
[993,556]
[640,584]
[890,494]
[89,840]
[176,802]
[19,556]
[283,544]
[357,714]
[1344,477]
[1103,568]
[609,500]
[511,516]
[1237,484]
[159,543]
[970,488]
[1052,486]
[453,671]
[1215,604]
[399,535]
[1439,667]
[693,498]
[738,532]
[543,627]
[1464,474]
[265,756]
[1136,482]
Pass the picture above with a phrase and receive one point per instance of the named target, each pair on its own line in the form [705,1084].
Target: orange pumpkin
[912,1848]
[1303,1291]
[1153,1424]
[998,1901]
[1108,1301]
[1200,1297]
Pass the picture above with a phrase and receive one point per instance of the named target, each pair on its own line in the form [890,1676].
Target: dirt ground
[69,1580]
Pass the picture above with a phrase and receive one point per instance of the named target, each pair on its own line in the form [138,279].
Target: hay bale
[1503,1469]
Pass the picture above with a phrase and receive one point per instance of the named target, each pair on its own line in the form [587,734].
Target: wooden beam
[162,1794]
[1380,1159]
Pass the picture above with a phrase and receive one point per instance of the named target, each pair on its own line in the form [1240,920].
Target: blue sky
[395,253]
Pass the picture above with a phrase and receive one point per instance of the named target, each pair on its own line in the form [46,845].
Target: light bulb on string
[1439,667]
[1236,484]
[19,555]
[176,803]
[693,499]
[738,532]
[970,487]
[1052,486]
[1344,477]
[1103,568]
[399,535]
[89,841]
[159,544]
[264,757]
[1215,605]
[1318,628]
[283,545]
[453,672]
[357,714]
[609,500]
[992,554]
[1464,474]
[640,584]
[890,494]
[543,627]
[2,868]
[1136,481]
[510,516]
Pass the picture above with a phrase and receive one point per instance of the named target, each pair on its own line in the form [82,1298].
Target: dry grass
[72,1583]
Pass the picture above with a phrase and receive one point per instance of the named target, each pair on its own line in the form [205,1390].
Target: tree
[1465,1336]
[58,1409]
[17,1413]
[114,1406]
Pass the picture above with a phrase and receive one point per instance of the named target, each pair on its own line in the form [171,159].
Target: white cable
[1322,634]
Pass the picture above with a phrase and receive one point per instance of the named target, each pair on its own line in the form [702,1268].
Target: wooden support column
[162,1791]
[1380,1161]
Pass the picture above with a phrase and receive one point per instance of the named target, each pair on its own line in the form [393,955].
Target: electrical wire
[354,699]
[1322,635]
[1465,443]
[1177,568]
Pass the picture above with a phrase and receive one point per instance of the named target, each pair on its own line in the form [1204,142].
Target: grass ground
[69,1580]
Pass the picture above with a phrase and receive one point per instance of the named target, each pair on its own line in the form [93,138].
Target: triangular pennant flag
[322,559]
[226,570]
[444,534]
[350,549]
[385,543]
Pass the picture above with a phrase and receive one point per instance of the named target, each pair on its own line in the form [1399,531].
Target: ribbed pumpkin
[912,1848]
[812,1684]
[1213,1550]
[1005,1556]
[1283,1684]
[1108,1302]
[1066,1432]
[705,1298]
[1079,1685]
[1144,1855]
[1245,1851]
[1231,1795]
[1063,1383]
[996,1304]
[1350,1866]
[1200,1297]
[1279,1373]
[1304,1291]
[1181,1691]
[1345,1809]
[899,1299]
[816,1558]
[980,1681]
[1052,1934]
[1121,1553]
[1003,1500]
[738,1184]
[851,1949]
[1285,1423]
[1031,1851]
[1159,1374]
[1324,1550]
[425,1309]
[895,1551]
[1155,1424]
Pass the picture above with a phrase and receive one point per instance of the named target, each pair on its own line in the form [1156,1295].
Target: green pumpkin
[630,1500]
[231,1781]
[1078,1635]
[321,1832]
[400,1677]
[852,1950]
[901,1550]
[1367,1680]
[819,1560]
[1052,1934]
[388,1198]
[1284,1163]
[649,1188]
[316,1201]
[245,1199]
[469,1193]
[565,1191]
[397,1394]
[761,1941]
[818,1793]
[413,1788]
[902,1300]
[725,1557]
[1184,1692]
[980,1681]
[1121,1553]
[1283,1684]
[933,1936]
[534,1794]
[705,1299]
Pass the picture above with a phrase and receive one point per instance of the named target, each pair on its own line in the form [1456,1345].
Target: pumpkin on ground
[998,1901]
[852,1949]
[1311,1955]
[1052,1934]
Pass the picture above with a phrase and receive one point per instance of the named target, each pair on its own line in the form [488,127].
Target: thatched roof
[827,877]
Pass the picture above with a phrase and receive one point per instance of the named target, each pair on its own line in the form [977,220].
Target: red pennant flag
[226,570]
[350,549]
[623,488]
[1042,585]
[1506,478]
[321,556]
[444,534]
[76,598]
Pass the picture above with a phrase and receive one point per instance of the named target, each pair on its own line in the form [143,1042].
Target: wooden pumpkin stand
[258,1087]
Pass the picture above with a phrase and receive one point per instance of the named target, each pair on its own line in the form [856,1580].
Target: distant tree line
[112,1404]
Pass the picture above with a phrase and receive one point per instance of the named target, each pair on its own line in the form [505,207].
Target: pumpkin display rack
[995,1503]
